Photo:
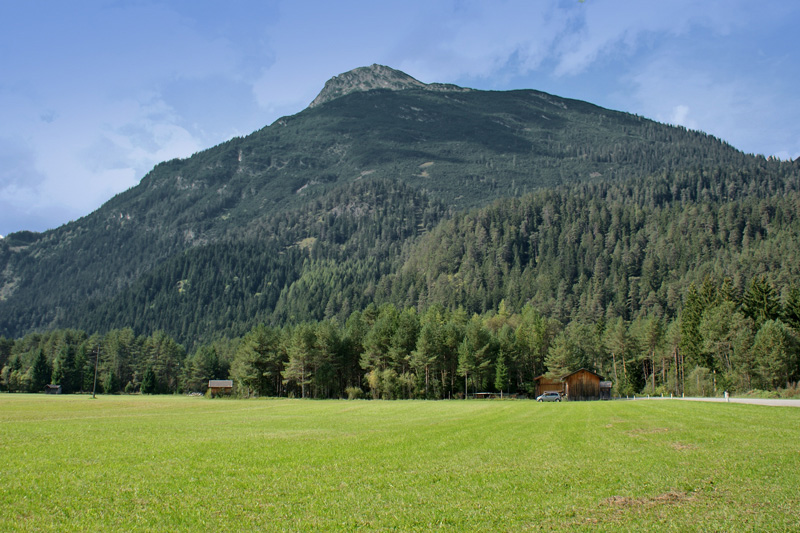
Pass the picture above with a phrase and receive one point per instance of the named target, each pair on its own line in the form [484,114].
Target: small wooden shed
[582,385]
[217,387]
[546,384]
[52,389]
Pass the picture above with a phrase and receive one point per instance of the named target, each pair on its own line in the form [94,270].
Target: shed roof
[220,383]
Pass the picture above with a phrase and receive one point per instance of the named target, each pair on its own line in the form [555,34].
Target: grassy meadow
[180,463]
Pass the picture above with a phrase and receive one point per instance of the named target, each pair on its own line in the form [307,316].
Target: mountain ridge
[374,77]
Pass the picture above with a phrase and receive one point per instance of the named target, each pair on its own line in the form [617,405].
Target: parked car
[551,396]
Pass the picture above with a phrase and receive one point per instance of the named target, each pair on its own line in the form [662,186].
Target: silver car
[551,396]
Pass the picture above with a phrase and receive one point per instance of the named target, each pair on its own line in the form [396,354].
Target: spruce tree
[760,302]
[65,372]
[501,374]
[791,310]
[691,341]
[40,372]
[149,381]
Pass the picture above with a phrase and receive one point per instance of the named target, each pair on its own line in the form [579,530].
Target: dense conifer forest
[422,244]
[662,290]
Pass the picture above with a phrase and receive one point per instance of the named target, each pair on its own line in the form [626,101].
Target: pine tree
[40,372]
[775,349]
[258,362]
[501,374]
[429,348]
[302,352]
[691,342]
[466,364]
[792,308]
[149,381]
[65,371]
[760,302]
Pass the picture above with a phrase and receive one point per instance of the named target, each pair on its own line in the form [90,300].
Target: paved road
[755,401]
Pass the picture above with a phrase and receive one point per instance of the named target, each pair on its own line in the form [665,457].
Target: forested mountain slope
[586,251]
[282,209]
[606,250]
[318,261]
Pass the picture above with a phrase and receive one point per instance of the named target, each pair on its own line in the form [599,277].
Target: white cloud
[79,160]
[752,116]
[84,95]
[680,116]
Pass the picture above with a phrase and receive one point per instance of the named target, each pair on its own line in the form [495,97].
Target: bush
[354,393]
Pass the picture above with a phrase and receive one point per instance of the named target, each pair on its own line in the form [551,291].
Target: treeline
[125,362]
[721,340]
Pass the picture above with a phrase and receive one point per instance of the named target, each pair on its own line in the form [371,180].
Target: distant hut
[582,385]
[546,384]
[217,387]
[52,389]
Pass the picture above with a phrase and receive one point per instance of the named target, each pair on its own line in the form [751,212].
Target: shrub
[354,393]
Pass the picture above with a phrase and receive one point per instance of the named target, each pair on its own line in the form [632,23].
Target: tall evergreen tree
[775,349]
[501,374]
[65,371]
[466,364]
[40,372]
[691,341]
[149,381]
[792,308]
[760,302]
[428,349]
[258,362]
[302,351]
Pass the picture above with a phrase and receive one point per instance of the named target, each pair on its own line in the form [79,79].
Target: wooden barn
[217,387]
[582,385]
[52,389]
[546,384]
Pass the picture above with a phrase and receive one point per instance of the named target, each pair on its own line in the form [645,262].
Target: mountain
[327,210]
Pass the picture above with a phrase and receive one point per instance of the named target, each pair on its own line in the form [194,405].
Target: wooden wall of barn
[582,385]
[544,384]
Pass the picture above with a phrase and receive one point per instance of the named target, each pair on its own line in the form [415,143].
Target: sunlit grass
[177,463]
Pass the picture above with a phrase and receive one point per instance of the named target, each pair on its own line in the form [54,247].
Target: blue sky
[94,93]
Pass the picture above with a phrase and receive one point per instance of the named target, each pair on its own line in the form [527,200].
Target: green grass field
[179,463]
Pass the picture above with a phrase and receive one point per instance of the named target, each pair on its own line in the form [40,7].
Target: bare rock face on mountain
[374,77]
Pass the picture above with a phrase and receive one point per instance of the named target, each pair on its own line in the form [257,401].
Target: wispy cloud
[86,96]
[736,107]
[621,27]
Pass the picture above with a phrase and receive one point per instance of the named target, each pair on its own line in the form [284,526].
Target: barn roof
[581,370]
[220,383]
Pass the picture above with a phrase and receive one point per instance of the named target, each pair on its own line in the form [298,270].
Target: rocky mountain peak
[373,77]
